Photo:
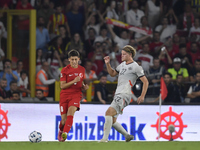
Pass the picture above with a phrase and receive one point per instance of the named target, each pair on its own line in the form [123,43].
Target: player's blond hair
[130,49]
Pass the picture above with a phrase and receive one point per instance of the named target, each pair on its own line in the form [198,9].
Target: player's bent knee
[111,112]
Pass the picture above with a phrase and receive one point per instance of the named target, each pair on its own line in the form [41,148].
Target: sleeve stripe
[140,76]
[116,71]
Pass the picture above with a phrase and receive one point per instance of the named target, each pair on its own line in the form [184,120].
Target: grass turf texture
[174,145]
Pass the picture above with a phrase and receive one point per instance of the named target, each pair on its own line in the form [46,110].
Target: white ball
[35,137]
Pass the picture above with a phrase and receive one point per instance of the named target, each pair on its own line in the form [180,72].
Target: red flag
[163,89]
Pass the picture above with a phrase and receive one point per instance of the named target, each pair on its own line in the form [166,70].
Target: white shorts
[120,101]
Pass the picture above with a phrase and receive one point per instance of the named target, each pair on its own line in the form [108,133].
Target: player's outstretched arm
[144,89]
[111,71]
[64,84]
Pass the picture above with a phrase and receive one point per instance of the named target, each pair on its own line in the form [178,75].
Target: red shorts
[67,101]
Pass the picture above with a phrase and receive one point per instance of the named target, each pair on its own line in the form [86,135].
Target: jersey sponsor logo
[70,75]
[61,75]
[76,103]
[80,75]
[76,74]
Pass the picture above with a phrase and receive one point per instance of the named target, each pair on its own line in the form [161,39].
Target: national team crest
[80,75]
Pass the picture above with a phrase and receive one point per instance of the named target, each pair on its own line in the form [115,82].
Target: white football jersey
[128,74]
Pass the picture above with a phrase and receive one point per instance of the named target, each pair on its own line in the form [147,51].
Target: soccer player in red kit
[71,83]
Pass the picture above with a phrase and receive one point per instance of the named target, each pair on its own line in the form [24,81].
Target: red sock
[61,126]
[68,124]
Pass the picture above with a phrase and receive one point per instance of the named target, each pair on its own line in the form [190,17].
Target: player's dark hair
[40,90]
[62,26]
[167,73]
[73,52]
[12,82]
[103,75]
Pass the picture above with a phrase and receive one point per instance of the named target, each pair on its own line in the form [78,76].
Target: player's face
[125,56]
[74,61]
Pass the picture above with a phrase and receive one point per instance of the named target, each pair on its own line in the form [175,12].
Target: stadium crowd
[169,47]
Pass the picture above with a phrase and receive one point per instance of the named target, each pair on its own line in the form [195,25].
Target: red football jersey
[68,74]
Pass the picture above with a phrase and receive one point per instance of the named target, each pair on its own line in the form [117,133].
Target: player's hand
[85,87]
[77,79]
[107,59]
[140,99]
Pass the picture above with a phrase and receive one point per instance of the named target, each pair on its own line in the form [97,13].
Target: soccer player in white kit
[128,72]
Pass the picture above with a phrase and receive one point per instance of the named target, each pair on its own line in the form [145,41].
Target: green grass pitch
[113,145]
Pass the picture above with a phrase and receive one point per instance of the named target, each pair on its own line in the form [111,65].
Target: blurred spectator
[155,72]
[173,93]
[3,94]
[155,45]
[96,58]
[55,63]
[194,52]
[164,58]
[56,45]
[195,29]
[90,75]
[153,11]
[42,35]
[144,25]
[82,7]
[194,70]
[120,12]
[75,19]
[187,18]
[58,18]
[65,62]
[172,51]
[6,4]
[134,15]
[165,30]
[186,58]
[8,73]
[16,96]
[2,56]
[39,60]
[13,88]
[101,93]
[64,35]
[178,70]
[180,87]
[89,43]
[172,18]
[77,44]
[113,58]
[23,84]
[194,91]
[45,12]
[103,36]
[139,62]
[3,32]
[145,57]
[91,22]
[111,11]
[23,24]
[122,41]
[19,67]
[40,95]
[42,81]
[176,42]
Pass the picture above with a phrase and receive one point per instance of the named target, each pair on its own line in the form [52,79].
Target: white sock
[120,129]
[107,126]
